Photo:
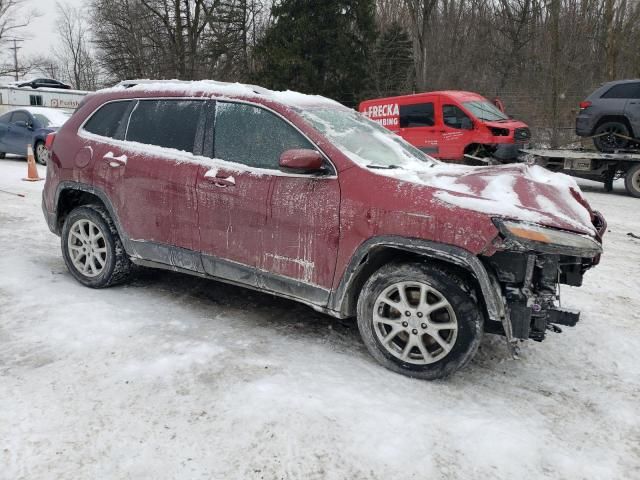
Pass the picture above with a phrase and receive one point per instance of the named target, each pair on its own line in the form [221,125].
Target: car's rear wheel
[92,249]
[418,320]
[41,153]
[610,136]
[632,181]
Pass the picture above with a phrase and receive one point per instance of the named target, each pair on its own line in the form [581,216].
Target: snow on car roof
[226,89]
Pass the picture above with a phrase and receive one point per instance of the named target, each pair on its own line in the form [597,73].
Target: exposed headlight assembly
[530,236]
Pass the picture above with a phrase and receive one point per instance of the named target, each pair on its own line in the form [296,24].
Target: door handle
[218,178]
[115,161]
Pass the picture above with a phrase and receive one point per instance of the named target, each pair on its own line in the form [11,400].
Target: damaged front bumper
[528,278]
[529,284]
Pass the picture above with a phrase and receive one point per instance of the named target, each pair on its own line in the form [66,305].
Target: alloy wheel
[415,323]
[87,248]
[42,154]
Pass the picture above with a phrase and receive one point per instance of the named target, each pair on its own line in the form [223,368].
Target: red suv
[451,124]
[300,197]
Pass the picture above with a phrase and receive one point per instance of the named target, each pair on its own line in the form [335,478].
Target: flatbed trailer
[592,165]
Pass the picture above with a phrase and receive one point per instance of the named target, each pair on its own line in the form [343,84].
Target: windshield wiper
[384,167]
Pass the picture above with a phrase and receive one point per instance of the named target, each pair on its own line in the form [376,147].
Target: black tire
[632,181]
[39,158]
[605,139]
[470,321]
[2,155]
[117,265]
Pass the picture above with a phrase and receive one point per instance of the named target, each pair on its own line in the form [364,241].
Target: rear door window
[253,136]
[166,123]
[624,90]
[418,115]
[109,120]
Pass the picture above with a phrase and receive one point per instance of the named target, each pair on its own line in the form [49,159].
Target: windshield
[364,141]
[51,119]
[484,110]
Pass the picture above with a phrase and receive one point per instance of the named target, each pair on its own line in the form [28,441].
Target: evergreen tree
[318,47]
[392,66]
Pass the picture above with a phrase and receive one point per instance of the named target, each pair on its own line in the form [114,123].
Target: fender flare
[83,187]
[487,281]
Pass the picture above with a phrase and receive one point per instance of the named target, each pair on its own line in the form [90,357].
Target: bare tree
[13,18]
[74,55]
[185,39]
[421,12]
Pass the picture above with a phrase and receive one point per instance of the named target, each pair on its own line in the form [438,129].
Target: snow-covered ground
[176,377]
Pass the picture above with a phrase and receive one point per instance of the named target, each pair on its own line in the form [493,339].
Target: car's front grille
[522,134]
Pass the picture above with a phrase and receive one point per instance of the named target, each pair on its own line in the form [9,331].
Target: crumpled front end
[529,272]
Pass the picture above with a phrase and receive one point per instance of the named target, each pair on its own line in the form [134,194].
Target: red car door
[148,173]
[302,233]
[232,193]
[418,124]
[456,131]
[277,230]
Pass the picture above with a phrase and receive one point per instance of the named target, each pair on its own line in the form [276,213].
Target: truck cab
[449,124]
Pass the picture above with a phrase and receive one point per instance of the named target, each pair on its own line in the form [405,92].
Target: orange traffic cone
[32,170]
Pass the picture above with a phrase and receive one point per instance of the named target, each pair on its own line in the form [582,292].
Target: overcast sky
[40,35]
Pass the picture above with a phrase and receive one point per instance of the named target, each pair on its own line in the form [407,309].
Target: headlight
[530,236]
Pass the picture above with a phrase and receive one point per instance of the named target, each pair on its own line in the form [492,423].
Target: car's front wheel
[418,320]
[41,153]
[92,249]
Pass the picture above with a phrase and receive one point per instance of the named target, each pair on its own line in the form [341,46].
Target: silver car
[611,115]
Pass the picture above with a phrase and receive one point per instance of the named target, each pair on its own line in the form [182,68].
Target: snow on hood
[515,191]
[53,118]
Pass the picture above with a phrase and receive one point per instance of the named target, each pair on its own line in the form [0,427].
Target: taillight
[584,105]
[49,141]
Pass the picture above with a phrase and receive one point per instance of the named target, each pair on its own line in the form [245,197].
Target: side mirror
[466,124]
[301,160]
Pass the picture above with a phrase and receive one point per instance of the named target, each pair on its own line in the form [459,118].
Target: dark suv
[611,115]
[300,197]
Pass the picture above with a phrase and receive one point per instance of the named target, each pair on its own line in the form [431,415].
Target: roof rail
[132,83]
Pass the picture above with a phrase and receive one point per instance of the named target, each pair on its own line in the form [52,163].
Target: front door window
[454,117]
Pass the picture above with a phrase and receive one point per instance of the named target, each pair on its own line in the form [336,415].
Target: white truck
[12,97]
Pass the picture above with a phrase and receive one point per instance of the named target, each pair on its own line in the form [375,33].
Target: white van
[12,96]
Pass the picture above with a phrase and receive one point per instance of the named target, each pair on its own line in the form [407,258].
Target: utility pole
[15,49]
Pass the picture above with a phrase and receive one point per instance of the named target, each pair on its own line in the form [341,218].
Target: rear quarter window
[166,123]
[109,120]
[624,90]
